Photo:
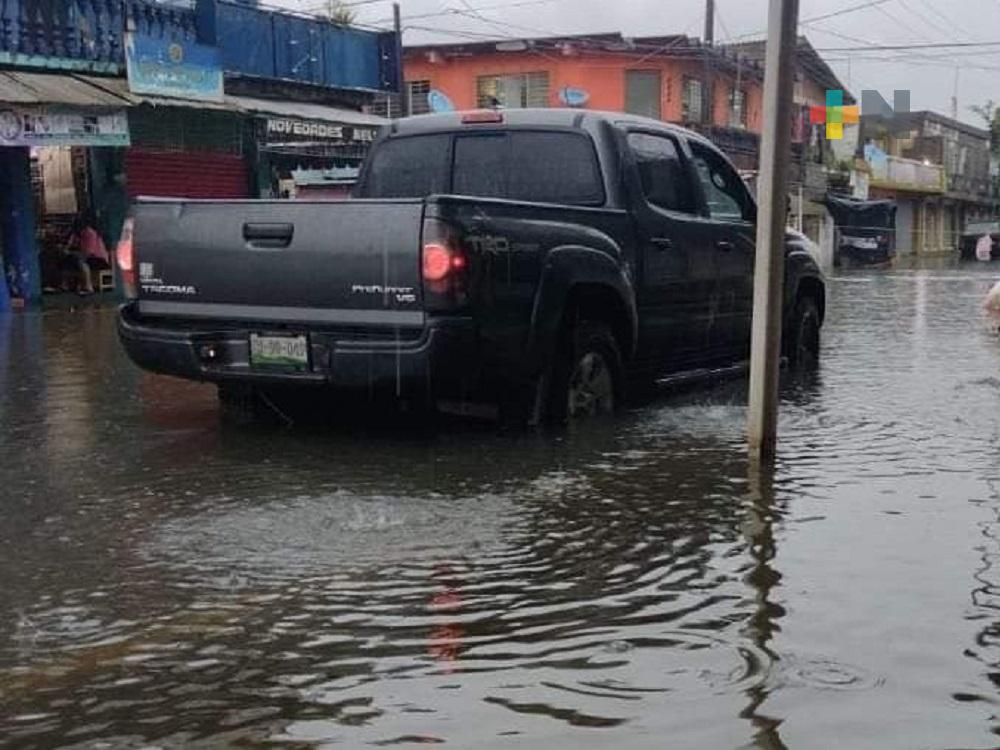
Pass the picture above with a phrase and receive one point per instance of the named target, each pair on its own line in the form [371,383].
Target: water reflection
[762,626]
[171,582]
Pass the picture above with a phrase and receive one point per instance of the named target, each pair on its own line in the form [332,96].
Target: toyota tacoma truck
[534,259]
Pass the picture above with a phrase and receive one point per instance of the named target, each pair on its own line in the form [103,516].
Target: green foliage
[990,112]
[339,13]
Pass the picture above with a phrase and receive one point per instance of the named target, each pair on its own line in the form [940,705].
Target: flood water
[169,582]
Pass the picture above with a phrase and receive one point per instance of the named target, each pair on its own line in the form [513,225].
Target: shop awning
[26,89]
[306,111]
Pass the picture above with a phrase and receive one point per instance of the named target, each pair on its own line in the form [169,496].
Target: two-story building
[716,90]
[672,78]
[103,100]
[938,171]
[812,157]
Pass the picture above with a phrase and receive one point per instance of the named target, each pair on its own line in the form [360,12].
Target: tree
[990,112]
[338,12]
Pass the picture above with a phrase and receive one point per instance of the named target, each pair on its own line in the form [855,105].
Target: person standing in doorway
[88,252]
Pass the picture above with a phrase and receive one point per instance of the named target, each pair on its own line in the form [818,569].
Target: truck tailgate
[314,263]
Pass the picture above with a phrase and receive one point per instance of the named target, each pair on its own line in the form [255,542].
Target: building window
[416,97]
[692,103]
[738,108]
[643,93]
[513,91]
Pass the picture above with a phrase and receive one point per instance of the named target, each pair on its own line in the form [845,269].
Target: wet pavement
[169,582]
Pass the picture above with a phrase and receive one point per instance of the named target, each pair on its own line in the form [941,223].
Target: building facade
[105,100]
[814,161]
[938,171]
[716,90]
[673,78]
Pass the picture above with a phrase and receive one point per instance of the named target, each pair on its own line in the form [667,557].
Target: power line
[814,19]
[456,11]
[845,11]
[890,47]
[899,22]
[949,24]
[923,17]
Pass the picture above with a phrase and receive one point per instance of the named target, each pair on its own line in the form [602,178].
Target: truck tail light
[443,265]
[442,256]
[482,117]
[125,254]
[440,261]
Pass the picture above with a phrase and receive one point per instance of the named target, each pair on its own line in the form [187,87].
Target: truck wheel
[802,342]
[587,376]
[238,404]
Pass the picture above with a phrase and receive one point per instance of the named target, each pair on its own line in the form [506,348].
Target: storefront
[307,150]
[187,152]
[58,138]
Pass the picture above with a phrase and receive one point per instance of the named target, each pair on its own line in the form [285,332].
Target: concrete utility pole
[769,269]
[708,103]
[397,24]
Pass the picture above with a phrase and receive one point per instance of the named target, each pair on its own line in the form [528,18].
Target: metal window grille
[416,97]
[691,103]
[738,109]
[513,91]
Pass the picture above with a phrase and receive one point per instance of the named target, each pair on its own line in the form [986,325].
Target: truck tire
[802,340]
[587,379]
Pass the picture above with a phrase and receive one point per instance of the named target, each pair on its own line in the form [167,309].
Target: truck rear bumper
[441,361]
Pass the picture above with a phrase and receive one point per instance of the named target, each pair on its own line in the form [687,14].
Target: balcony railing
[82,34]
[89,35]
[907,174]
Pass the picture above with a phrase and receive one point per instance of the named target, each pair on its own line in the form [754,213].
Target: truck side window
[724,189]
[555,168]
[664,180]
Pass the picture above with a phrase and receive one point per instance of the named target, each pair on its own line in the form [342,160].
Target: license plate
[284,352]
[867,243]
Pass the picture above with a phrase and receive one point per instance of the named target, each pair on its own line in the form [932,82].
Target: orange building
[670,78]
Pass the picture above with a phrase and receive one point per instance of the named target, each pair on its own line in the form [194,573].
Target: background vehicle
[866,230]
[535,258]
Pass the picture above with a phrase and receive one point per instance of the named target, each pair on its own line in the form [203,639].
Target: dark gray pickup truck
[538,259]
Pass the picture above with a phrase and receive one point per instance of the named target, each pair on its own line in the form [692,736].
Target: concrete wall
[601,75]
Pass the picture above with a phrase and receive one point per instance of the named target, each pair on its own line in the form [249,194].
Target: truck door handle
[725,245]
[662,243]
[268,235]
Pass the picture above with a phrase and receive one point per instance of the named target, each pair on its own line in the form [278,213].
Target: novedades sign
[285,127]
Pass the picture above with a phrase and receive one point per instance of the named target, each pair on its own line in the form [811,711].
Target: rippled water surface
[169,582]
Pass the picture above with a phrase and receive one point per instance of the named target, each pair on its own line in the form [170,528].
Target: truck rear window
[537,166]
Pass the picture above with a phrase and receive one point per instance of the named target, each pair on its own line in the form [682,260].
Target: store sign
[60,127]
[289,130]
[163,67]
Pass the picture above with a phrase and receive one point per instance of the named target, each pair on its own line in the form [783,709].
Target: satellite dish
[573,97]
[438,101]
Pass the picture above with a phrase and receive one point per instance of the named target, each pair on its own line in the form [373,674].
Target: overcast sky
[929,74]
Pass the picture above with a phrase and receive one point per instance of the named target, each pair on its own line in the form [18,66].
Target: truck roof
[565,118]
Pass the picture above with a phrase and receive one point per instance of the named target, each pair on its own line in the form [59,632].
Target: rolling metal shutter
[186,153]
[172,174]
